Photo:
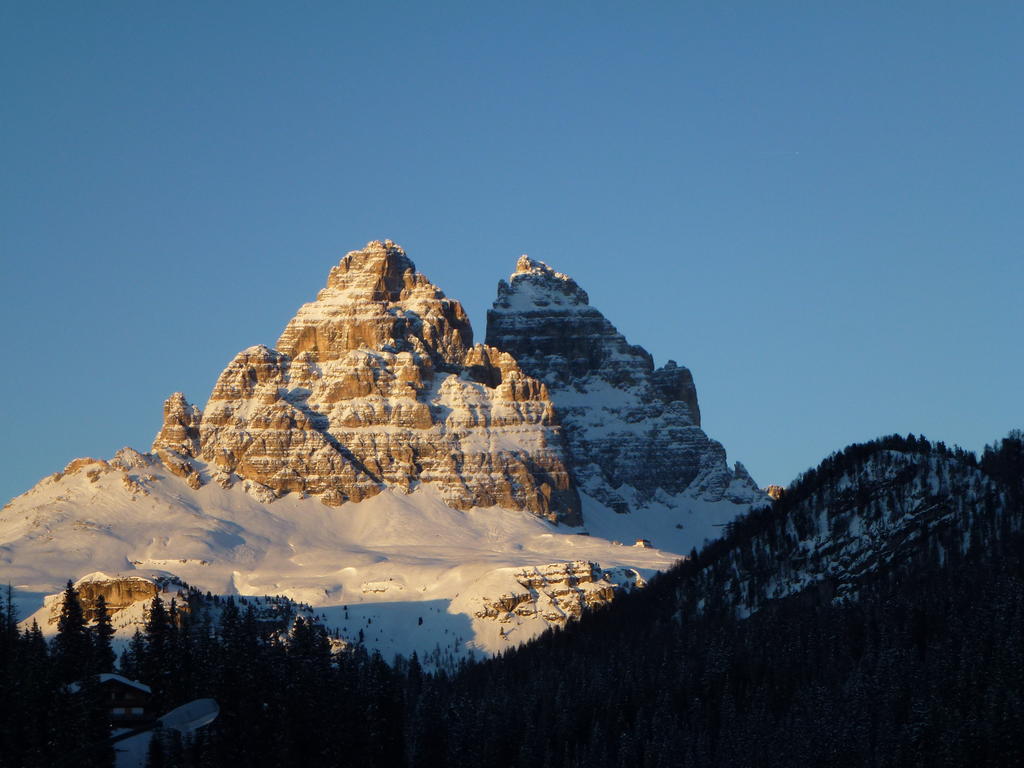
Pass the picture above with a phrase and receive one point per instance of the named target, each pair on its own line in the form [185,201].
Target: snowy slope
[391,559]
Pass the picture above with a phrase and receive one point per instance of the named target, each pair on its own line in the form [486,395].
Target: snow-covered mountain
[390,559]
[377,385]
[416,489]
[635,443]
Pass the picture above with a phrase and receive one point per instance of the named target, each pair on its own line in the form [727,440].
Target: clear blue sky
[814,206]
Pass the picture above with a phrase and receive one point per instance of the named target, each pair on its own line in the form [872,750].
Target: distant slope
[872,507]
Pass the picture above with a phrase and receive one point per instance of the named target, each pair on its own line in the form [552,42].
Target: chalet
[643,543]
[128,700]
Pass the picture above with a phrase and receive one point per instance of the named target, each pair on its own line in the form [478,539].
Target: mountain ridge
[377,457]
[377,384]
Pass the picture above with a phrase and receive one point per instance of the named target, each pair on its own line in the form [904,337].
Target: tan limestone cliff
[377,384]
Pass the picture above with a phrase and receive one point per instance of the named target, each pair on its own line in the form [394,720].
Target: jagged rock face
[633,431]
[180,431]
[377,384]
[375,299]
[119,592]
[545,320]
[178,438]
[556,592]
[128,601]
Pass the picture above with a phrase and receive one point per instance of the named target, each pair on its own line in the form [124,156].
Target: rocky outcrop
[119,592]
[377,384]
[178,439]
[633,430]
[555,593]
[124,463]
[180,430]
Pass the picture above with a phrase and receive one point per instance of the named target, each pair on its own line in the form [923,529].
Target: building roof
[107,677]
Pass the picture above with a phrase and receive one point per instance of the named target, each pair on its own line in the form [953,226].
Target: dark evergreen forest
[924,666]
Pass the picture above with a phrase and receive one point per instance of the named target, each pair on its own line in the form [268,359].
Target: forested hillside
[920,663]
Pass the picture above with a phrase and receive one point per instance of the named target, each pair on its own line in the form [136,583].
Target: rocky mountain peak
[180,430]
[535,284]
[544,319]
[376,299]
[380,272]
[377,384]
[525,264]
[633,430]
[383,260]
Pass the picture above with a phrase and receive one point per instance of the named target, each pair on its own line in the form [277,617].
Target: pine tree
[78,716]
[72,647]
[103,652]
[8,627]
[132,658]
[26,722]
[156,665]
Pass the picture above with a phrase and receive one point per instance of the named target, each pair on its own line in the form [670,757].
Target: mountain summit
[377,384]
[633,430]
